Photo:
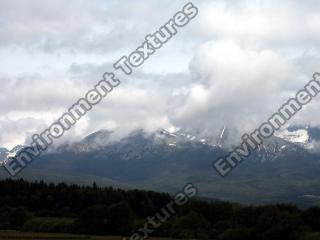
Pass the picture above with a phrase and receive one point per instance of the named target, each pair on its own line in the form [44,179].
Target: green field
[15,235]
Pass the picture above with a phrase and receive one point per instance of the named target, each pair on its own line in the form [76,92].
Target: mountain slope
[278,171]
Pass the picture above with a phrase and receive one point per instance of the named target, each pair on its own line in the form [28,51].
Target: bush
[18,217]
[56,225]
[311,236]
[5,213]
[93,220]
[312,217]
[236,234]
[120,218]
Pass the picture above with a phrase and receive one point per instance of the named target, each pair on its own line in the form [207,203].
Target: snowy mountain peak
[100,137]
[299,136]
[5,153]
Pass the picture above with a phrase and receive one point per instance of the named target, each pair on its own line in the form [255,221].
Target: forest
[93,210]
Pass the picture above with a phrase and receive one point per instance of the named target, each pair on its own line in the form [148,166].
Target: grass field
[15,235]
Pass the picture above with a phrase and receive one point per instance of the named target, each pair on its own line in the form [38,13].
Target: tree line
[42,207]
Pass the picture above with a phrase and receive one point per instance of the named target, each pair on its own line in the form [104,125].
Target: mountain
[305,136]
[223,136]
[93,142]
[283,169]
[5,153]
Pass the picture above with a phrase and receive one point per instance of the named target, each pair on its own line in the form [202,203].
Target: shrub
[57,225]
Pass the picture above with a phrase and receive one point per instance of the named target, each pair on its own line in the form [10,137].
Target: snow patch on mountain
[299,136]
[5,153]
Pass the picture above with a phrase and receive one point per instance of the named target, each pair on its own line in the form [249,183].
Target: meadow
[17,235]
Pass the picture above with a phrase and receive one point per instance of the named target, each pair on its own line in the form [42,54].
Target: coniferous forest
[61,208]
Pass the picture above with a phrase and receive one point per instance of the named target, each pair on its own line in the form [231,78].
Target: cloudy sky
[234,64]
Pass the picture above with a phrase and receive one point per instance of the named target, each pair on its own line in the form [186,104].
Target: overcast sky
[234,64]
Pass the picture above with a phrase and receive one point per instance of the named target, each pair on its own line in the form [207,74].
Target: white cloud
[235,64]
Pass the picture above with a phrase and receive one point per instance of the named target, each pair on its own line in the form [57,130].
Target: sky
[235,64]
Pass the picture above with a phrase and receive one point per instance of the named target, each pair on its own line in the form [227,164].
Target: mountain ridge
[278,171]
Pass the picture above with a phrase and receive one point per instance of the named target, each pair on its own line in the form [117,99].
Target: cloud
[235,64]
[273,23]
[235,86]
